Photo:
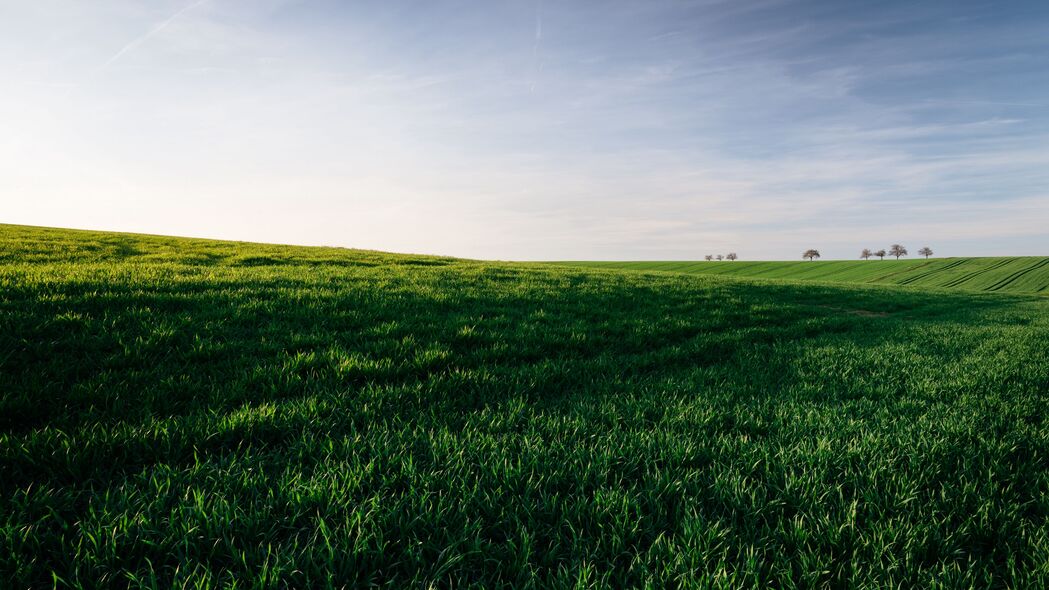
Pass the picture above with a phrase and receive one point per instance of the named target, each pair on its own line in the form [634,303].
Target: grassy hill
[1018,274]
[192,413]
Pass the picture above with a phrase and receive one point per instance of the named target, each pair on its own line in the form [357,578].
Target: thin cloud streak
[537,66]
[160,27]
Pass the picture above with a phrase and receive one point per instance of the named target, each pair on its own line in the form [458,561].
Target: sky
[534,130]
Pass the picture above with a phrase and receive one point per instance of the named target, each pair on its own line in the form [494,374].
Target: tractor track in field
[934,271]
[972,275]
[1017,275]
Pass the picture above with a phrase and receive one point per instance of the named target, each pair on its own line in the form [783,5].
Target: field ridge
[1012,274]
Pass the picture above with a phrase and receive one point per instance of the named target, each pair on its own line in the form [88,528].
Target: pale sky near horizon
[513,129]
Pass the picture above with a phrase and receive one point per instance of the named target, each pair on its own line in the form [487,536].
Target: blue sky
[642,129]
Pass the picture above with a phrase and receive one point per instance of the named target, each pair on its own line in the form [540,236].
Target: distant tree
[897,251]
[709,257]
[880,254]
[732,256]
[719,257]
[811,254]
[866,254]
[926,251]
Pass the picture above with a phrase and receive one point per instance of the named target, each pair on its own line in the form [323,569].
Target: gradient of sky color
[513,129]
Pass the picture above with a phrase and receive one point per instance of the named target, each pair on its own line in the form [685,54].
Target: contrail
[538,22]
[151,32]
[535,47]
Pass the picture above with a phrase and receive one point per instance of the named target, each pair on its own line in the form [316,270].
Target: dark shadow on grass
[201,349]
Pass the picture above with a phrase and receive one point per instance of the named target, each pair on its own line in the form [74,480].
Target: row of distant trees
[896,250]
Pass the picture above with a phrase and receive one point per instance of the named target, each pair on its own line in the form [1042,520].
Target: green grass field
[190,413]
[1017,274]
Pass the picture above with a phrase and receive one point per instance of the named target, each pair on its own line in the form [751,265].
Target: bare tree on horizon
[897,251]
[880,254]
[709,257]
[866,254]
[811,254]
[719,257]
[732,256]
[925,251]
